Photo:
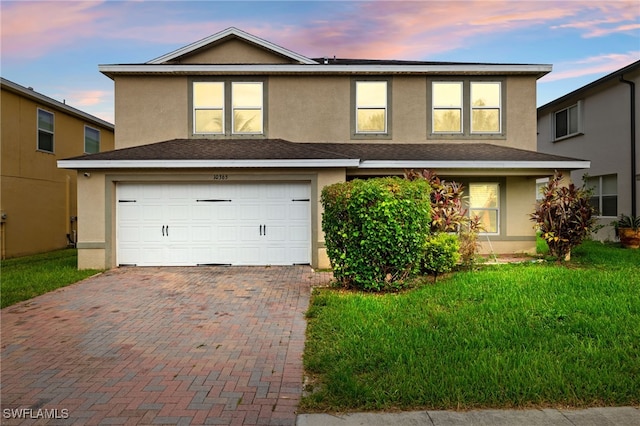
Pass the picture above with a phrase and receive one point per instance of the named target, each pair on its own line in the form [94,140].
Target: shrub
[441,254]
[469,233]
[375,230]
[564,216]
[448,213]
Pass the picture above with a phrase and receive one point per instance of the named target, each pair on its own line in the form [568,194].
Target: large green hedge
[375,230]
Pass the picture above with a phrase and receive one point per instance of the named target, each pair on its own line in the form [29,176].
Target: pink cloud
[83,98]
[30,29]
[603,64]
[413,30]
[372,29]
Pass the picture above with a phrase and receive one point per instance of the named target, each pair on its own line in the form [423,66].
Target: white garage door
[180,224]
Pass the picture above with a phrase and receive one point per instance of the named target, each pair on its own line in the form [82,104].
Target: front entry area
[189,224]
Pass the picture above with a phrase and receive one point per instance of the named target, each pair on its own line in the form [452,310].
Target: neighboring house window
[45,130]
[484,202]
[91,140]
[223,108]
[567,122]
[371,107]
[604,197]
[466,108]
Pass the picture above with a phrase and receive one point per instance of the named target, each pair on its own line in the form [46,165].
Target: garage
[189,224]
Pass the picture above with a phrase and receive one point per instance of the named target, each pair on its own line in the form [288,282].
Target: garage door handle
[264,229]
[260,230]
[163,230]
[167,230]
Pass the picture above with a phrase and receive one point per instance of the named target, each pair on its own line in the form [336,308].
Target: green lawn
[534,334]
[26,277]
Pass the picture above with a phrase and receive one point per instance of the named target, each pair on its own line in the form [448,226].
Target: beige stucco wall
[325,178]
[150,109]
[521,113]
[232,51]
[38,199]
[520,192]
[310,109]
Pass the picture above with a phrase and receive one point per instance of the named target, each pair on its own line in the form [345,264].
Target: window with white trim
[466,108]
[45,130]
[208,107]
[447,107]
[604,196]
[485,107]
[247,107]
[91,140]
[371,107]
[567,122]
[484,203]
[228,108]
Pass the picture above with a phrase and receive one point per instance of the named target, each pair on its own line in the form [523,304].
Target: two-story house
[224,146]
[38,209]
[599,122]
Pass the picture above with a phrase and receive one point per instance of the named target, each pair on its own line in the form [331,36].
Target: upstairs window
[228,108]
[485,107]
[208,107]
[466,109]
[45,130]
[484,202]
[605,194]
[447,107]
[371,107]
[567,122]
[247,108]
[91,140]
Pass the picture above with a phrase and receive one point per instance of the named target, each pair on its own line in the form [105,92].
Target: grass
[26,277]
[532,334]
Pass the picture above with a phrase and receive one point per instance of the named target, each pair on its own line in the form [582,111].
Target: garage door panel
[276,233]
[226,233]
[212,223]
[201,233]
[298,234]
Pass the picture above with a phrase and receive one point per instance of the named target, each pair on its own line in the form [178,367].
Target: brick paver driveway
[211,345]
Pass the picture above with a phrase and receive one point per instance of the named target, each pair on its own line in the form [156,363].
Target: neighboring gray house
[599,122]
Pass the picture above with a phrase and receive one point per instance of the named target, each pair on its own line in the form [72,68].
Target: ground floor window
[484,203]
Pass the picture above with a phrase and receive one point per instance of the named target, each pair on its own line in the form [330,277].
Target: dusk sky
[56,46]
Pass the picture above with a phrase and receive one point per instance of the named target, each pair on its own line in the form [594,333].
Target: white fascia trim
[538,70]
[197,164]
[238,33]
[560,165]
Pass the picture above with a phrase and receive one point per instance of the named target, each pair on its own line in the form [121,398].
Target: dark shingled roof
[348,61]
[278,149]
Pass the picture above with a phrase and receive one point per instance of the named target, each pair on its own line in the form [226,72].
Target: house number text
[220,177]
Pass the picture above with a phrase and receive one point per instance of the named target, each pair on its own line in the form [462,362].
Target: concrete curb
[599,416]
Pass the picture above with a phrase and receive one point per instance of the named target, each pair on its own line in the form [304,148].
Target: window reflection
[371,106]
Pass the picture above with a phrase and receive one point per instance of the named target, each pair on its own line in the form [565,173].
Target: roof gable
[232,46]
[608,79]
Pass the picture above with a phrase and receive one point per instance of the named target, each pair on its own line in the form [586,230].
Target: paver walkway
[210,345]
